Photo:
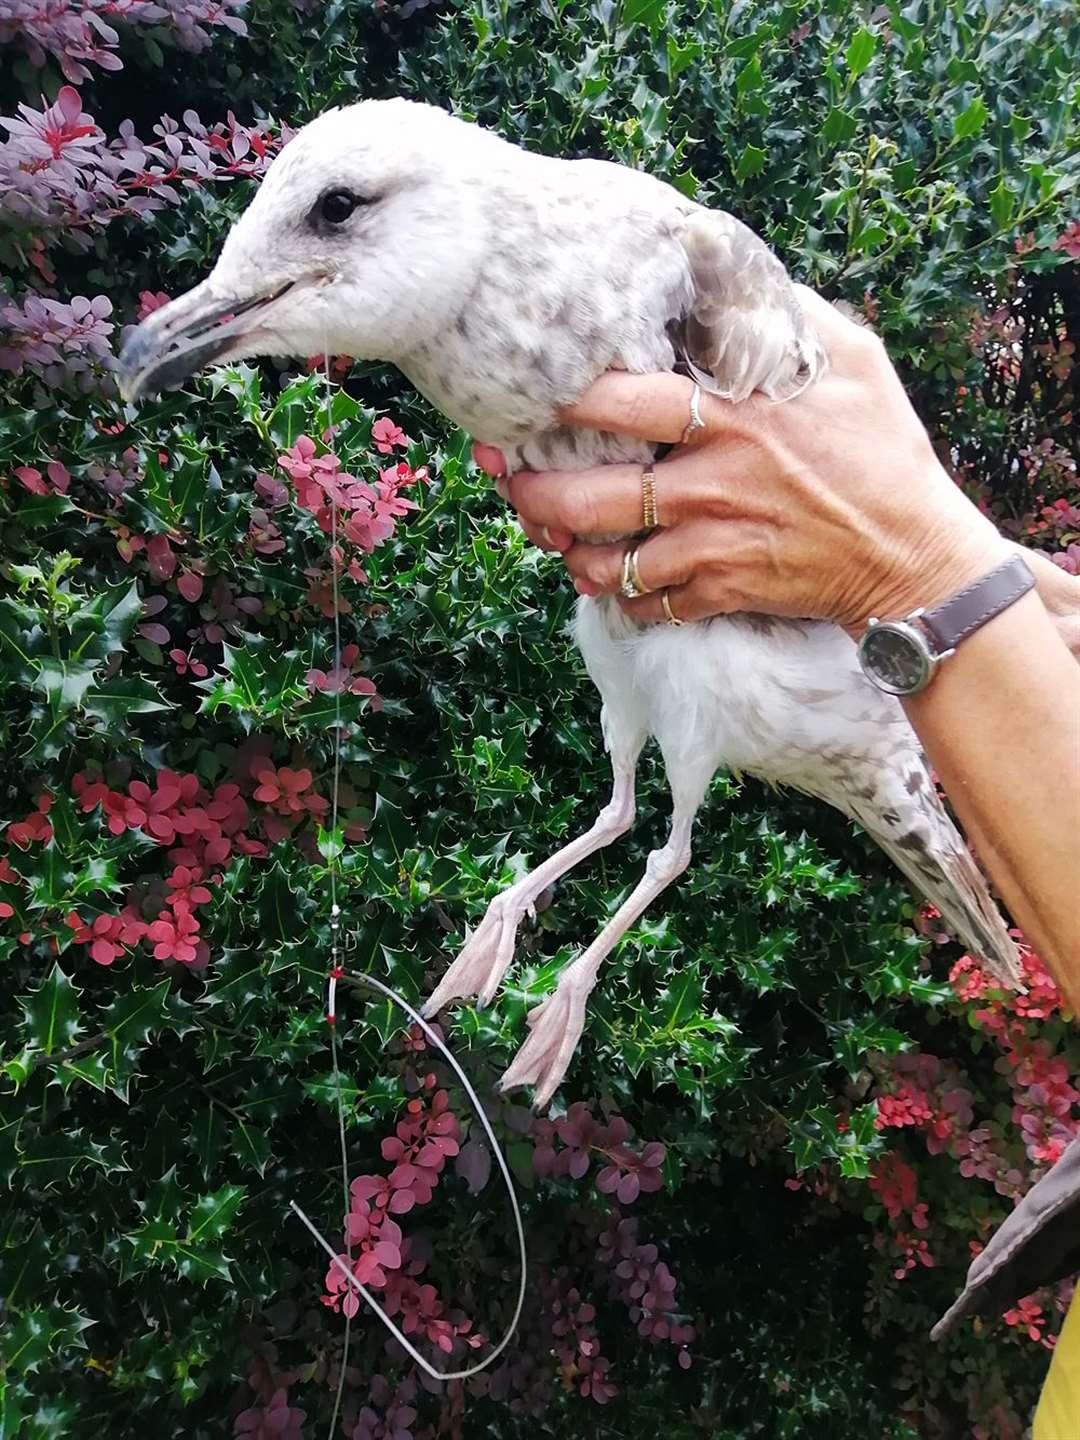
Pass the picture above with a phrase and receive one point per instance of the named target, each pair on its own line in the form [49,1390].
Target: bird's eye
[337,205]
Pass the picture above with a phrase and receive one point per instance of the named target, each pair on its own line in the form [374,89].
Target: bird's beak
[205,325]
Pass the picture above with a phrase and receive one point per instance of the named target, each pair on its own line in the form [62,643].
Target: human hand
[832,506]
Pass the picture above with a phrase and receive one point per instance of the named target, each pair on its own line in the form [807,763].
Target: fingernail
[560,539]
[586,587]
[502,485]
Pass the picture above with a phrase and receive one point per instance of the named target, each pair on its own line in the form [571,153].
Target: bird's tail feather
[946,874]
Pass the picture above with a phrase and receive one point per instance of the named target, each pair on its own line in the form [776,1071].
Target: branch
[57,1057]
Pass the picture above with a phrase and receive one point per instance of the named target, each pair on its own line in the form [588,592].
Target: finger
[665,558]
[595,569]
[546,538]
[688,602]
[652,407]
[607,500]
[489,459]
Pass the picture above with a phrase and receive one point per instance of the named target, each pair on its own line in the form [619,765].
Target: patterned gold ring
[648,498]
[669,614]
[632,583]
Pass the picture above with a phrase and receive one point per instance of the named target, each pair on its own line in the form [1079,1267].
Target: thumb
[490,459]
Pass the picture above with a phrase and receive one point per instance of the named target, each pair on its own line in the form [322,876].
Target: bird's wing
[900,809]
[941,867]
[745,329]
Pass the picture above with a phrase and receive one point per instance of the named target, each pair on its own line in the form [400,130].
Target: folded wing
[745,329]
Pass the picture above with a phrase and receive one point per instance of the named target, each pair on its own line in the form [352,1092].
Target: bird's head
[360,239]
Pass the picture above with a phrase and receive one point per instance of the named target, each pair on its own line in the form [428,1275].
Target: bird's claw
[555,1027]
[483,961]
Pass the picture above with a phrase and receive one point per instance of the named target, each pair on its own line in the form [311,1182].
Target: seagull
[502,283]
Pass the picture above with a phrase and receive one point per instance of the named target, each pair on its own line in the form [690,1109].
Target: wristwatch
[901,657]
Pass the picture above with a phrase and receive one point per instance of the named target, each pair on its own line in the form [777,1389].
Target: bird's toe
[481,964]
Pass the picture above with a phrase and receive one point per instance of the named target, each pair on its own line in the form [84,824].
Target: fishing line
[370,982]
[338,974]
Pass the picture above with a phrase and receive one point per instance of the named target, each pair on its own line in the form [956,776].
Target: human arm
[1060,594]
[835,506]
[1001,725]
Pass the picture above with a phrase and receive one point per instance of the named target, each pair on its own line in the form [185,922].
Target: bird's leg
[557,1022]
[487,953]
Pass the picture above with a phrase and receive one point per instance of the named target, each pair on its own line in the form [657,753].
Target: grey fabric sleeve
[1038,1244]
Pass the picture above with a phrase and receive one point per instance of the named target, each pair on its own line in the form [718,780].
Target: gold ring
[648,498]
[632,583]
[669,614]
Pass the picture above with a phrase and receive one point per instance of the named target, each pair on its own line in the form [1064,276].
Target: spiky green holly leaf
[52,1013]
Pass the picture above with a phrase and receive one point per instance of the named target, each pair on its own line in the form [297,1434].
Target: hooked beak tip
[187,335]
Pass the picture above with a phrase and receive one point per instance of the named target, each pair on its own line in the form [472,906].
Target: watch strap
[954,620]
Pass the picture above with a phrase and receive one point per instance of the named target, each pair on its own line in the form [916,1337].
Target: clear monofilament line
[335,909]
[345,1271]
[336,974]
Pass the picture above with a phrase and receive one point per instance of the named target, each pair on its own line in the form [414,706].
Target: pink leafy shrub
[363,514]
[277,1420]
[63,180]
[61,175]
[62,341]
[646,1286]
[927,1096]
[389,1413]
[378,1254]
[80,33]
[560,1320]
[342,677]
[567,1146]
[575,1339]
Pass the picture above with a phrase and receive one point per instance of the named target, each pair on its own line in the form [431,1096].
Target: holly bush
[798,1108]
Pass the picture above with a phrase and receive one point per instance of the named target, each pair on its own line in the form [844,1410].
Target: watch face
[894,659]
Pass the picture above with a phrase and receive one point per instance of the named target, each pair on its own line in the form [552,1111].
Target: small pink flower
[151,300]
[35,828]
[175,937]
[385,435]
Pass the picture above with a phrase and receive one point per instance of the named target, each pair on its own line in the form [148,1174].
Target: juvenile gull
[502,283]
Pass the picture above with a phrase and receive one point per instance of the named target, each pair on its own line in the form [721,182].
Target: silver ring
[695,422]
